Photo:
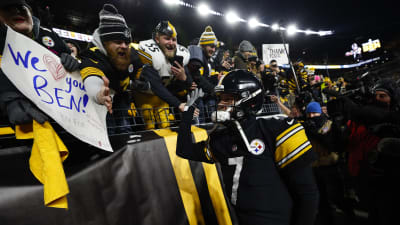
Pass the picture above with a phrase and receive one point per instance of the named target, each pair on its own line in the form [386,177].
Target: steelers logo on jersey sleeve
[130,68]
[257,147]
[46,40]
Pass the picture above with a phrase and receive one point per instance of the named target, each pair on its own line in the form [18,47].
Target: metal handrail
[131,121]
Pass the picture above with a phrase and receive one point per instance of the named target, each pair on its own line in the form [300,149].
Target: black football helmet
[165,27]
[247,91]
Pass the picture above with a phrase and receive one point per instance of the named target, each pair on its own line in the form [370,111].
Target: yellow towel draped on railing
[48,153]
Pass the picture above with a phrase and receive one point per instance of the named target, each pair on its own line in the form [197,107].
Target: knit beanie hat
[112,25]
[208,37]
[385,85]
[313,107]
[246,46]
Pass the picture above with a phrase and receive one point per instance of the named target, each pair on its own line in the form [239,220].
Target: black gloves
[20,110]
[69,62]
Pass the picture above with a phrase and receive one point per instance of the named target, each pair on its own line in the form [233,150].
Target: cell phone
[177,58]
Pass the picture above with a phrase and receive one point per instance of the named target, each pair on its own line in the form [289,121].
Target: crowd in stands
[353,125]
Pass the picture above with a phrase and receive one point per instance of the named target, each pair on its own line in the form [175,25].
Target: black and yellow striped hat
[208,37]
[112,25]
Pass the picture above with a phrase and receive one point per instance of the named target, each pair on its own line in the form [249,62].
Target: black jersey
[254,172]
[95,63]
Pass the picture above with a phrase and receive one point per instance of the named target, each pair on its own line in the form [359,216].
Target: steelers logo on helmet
[257,147]
[165,27]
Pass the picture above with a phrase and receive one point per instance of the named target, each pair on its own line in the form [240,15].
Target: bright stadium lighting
[171,2]
[253,23]
[325,33]
[203,9]
[291,30]
[232,17]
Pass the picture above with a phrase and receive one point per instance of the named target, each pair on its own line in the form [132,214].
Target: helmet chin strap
[216,118]
[242,134]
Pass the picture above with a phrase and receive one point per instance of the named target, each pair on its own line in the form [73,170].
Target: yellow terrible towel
[48,153]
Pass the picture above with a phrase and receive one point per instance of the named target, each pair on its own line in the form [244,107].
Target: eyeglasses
[274,65]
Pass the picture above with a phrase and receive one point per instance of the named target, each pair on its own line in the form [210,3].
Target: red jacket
[361,141]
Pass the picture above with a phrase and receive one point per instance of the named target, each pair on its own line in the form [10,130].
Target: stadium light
[171,2]
[253,23]
[203,9]
[232,17]
[275,26]
[325,33]
[291,30]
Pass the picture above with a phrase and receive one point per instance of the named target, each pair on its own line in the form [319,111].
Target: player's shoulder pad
[273,117]
[183,51]
[277,123]
[150,53]
[134,46]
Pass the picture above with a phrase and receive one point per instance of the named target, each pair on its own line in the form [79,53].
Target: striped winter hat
[112,25]
[208,37]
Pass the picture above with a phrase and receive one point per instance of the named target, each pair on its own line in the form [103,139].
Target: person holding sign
[108,67]
[17,14]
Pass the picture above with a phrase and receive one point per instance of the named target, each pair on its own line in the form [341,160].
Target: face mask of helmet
[221,116]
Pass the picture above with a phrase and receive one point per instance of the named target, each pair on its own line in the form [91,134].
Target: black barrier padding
[134,185]
[202,190]
[14,167]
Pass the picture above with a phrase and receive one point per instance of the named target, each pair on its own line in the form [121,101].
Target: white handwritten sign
[39,75]
[275,51]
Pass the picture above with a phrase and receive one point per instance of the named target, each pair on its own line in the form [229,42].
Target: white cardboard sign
[275,51]
[39,75]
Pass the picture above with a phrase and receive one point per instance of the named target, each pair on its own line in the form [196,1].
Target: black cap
[385,85]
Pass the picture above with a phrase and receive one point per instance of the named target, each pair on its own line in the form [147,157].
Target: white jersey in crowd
[150,50]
